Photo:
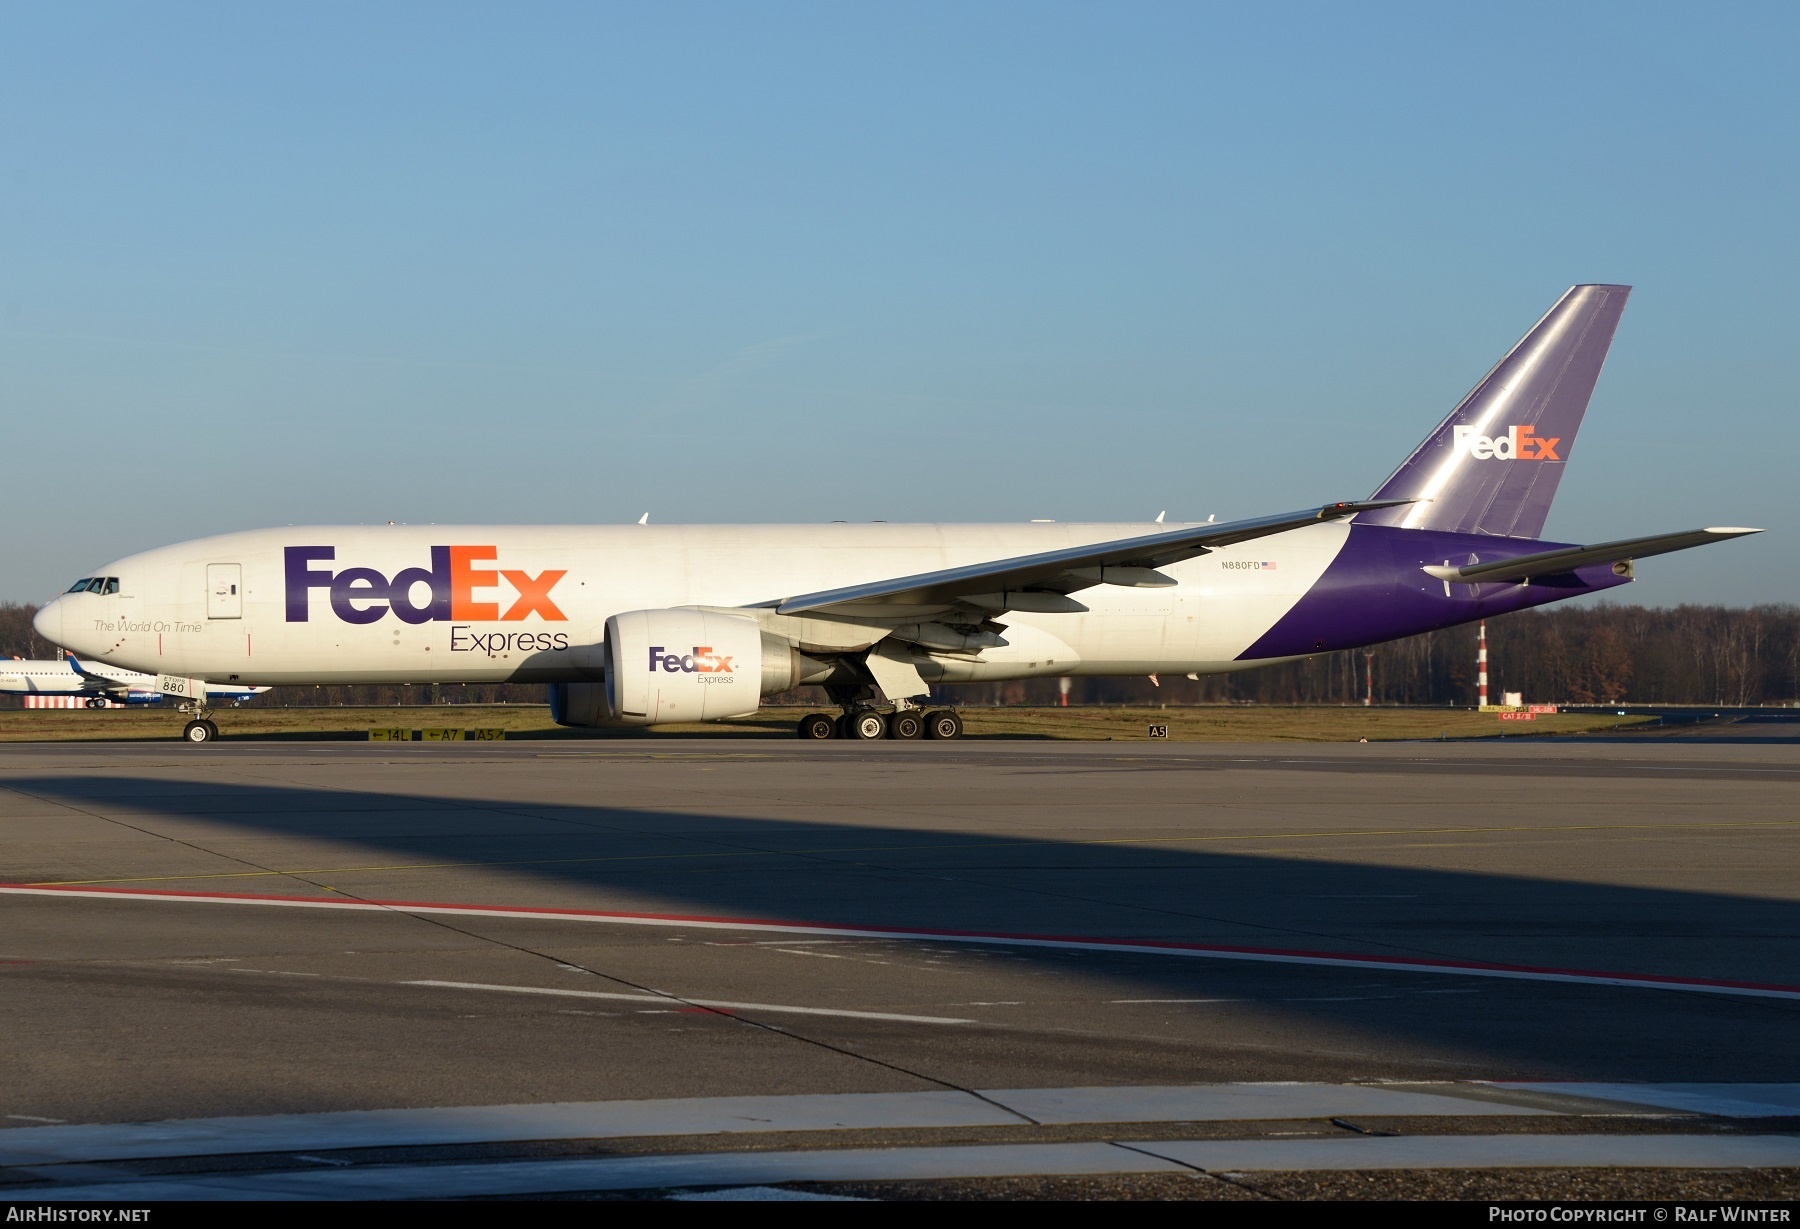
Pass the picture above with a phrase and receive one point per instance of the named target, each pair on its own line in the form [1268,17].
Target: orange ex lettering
[464,580]
[1534,447]
[534,595]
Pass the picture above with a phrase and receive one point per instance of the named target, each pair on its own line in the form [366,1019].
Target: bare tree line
[1579,654]
[17,638]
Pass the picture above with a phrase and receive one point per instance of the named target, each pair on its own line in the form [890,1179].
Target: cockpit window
[81,585]
[112,585]
[97,584]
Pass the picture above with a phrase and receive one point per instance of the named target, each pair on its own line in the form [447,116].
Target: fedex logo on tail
[1520,443]
[701,661]
[456,588]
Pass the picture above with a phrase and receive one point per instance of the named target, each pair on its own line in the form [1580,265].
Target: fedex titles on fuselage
[456,591]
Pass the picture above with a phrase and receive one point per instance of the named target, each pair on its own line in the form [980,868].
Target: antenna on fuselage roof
[644,519]
[1160,515]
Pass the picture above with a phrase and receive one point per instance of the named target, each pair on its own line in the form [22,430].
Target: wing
[95,684]
[1042,581]
[1554,562]
[83,671]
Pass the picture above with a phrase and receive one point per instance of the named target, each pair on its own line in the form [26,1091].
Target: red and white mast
[1481,662]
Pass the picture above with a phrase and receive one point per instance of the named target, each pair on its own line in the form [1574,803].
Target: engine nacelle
[664,666]
[715,644]
[578,704]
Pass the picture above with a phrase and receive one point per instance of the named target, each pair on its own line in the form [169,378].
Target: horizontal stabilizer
[1127,561]
[1555,562]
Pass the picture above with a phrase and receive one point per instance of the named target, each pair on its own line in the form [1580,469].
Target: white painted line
[1138,947]
[1488,1152]
[475,1124]
[466,1181]
[676,1004]
[1116,1001]
[1720,1100]
[1240,1102]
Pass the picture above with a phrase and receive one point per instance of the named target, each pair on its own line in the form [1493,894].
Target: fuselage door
[224,590]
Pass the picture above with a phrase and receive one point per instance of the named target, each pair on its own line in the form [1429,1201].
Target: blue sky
[797,262]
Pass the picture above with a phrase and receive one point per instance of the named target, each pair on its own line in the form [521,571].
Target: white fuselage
[60,678]
[228,608]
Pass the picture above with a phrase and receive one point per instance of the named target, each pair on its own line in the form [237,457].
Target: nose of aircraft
[48,622]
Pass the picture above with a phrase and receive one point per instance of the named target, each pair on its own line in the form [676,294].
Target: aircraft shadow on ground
[601,857]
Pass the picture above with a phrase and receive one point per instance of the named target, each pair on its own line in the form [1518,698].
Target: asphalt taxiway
[256,930]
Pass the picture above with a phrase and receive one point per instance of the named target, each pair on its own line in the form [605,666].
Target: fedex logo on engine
[1520,443]
[701,661]
[454,588]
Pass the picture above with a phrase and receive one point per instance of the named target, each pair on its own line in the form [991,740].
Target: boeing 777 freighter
[652,624]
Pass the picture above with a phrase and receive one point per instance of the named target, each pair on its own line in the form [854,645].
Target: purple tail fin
[1493,465]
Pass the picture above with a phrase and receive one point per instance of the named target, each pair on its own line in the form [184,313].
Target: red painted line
[1155,947]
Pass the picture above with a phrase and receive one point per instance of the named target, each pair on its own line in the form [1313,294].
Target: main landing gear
[868,724]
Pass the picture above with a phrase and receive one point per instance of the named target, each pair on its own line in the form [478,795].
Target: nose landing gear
[201,729]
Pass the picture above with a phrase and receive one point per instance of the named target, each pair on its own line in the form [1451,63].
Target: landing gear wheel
[817,725]
[906,724]
[200,731]
[93,703]
[943,724]
[868,725]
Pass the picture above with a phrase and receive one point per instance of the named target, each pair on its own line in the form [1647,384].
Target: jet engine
[664,666]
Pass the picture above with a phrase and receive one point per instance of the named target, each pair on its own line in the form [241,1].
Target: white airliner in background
[70,677]
[652,624]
